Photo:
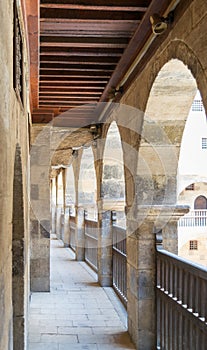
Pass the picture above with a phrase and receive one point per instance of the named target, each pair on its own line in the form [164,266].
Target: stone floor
[77,313]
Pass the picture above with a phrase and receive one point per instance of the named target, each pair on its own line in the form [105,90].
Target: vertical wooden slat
[181,303]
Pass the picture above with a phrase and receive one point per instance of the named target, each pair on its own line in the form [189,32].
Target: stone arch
[70,193]
[113,177]
[60,202]
[18,255]
[87,185]
[178,49]
[169,102]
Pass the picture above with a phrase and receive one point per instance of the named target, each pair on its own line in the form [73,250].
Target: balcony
[195,218]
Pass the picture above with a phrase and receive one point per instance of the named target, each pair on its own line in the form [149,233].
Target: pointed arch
[113,178]
[87,184]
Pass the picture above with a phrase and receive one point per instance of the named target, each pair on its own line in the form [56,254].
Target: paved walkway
[77,313]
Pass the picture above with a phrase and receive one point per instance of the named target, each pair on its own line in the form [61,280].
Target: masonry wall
[14,134]
[187,43]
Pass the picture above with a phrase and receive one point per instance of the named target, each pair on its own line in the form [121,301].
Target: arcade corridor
[72,72]
[77,313]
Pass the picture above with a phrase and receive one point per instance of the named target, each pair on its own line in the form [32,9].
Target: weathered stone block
[34,193]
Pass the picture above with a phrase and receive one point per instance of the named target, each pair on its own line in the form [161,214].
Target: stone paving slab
[77,314]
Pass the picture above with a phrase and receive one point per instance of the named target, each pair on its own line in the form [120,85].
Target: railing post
[80,235]
[105,250]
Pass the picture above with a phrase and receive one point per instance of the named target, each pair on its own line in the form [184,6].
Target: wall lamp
[160,24]
[114,92]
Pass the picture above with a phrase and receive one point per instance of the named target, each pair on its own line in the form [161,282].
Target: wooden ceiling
[80,51]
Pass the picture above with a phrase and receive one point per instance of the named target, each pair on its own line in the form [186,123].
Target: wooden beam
[88,33]
[32,11]
[78,60]
[42,117]
[74,74]
[83,26]
[69,88]
[70,93]
[57,44]
[94,8]
[135,45]
[102,53]
[62,38]
[66,100]
[77,82]
[75,69]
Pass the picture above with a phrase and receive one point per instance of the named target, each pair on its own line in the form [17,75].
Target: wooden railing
[91,243]
[119,260]
[72,227]
[181,303]
[195,218]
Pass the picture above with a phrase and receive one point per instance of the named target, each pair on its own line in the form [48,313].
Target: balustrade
[181,303]
[119,261]
[91,243]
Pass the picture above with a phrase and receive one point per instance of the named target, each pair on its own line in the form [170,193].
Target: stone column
[58,221]
[53,206]
[105,277]
[141,268]
[80,235]
[66,236]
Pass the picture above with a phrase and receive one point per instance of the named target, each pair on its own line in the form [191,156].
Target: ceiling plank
[83,53]
[135,45]
[100,2]
[65,93]
[93,7]
[83,26]
[50,13]
[69,87]
[78,62]
[77,82]
[57,44]
[74,74]
[45,38]
[78,70]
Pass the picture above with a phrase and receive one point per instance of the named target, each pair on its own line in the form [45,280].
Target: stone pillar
[58,221]
[40,210]
[53,206]
[66,236]
[80,235]
[141,268]
[105,277]
[40,257]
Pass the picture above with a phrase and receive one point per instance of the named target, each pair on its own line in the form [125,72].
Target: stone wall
[14,135]
[162,109]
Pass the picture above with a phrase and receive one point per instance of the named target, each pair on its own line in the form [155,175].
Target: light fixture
[114,92]
[160,24]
